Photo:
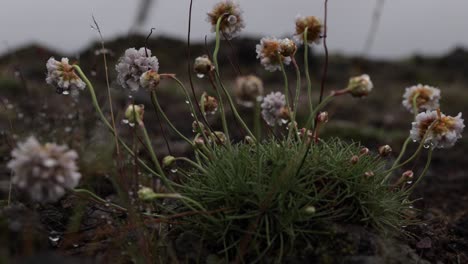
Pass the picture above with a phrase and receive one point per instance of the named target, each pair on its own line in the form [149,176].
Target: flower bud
[202,65]
[408,174]
[168,161]
[146,194]
[198,127]
[249,140]
[310,209]
[199,141]
[219,137]
[322,117]
[284,113]
[360,86]
[369,174]
[134,113]
[385,150]
[364,151]
[150,79]
[209,104]
[354,159]
[248,89]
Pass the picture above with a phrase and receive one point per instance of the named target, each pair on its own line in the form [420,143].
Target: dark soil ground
[54,234]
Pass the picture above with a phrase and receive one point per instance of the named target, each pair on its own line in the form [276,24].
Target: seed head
[232,22]
[63,77]
[270,54]
[314,29]
[44,172]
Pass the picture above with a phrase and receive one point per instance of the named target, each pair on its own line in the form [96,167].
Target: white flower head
[428,98]
[248,89]
[45,172]
[443,134]
[274,110]
[232,22]
[360,86]
[132,65]
[269,52]
[63,77]
[314,29]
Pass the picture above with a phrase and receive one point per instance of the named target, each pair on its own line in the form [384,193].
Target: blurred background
[399,43]
[426,27]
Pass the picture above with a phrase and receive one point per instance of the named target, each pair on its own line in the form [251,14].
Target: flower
[202,65]
[288,47]
[150,79]
[248,89]
[273,106]
[360,86]
[132,65]
[428,98]
[232,22]
[443,134]
[146,194]
[62,76]
[314,29]
[385,150]
[269,52]
[45,172]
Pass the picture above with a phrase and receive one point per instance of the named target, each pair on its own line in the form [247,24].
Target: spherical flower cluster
[232,22]
[45,172]
[273,109]
[445,131]
[63,77]
[209,104]
[288,47]
[248,89]
[314,29]
[360,86]
[150,79]
[427,98]
[270,51]
[132,65]
[203,65]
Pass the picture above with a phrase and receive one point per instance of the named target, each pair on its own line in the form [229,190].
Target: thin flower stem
[286,82]
[218,78]
[298,92]
[104,119]
[99,199]
[194,164]
[221,103]
[426,167]
[257,126]
[402,153]
[312,116]
[154,100]
[306,63]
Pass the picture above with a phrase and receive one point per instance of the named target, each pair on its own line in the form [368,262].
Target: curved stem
[194,164]
[103,118]
[319,107]
[402,153]
[306,63]
[426,167]
[286,82]
[95,196]
[154,100]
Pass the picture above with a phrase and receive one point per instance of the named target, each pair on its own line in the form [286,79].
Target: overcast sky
[406,26]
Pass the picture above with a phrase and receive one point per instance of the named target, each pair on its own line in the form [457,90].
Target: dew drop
[426,146]
[174,170]
[200,75]
[54,238]
[414,140]
[232,19]
[68,129]
[66,92]
[131,124]
[125,121]
[187,102]
[409,182]
[93,73]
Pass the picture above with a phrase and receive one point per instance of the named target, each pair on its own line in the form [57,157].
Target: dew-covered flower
[202,65]
[248,89]
[150,79]
[63,77]
[427,97]
[232,22]
[314,29]
[360,86]
[443,134]
[269,52]
[44,172]
[273,109]
[132,65]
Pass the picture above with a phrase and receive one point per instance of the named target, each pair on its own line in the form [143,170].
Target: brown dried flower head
[232,22]
[314,29]
[209,104]
[248,89]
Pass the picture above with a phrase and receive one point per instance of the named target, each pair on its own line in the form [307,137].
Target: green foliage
[272,195]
